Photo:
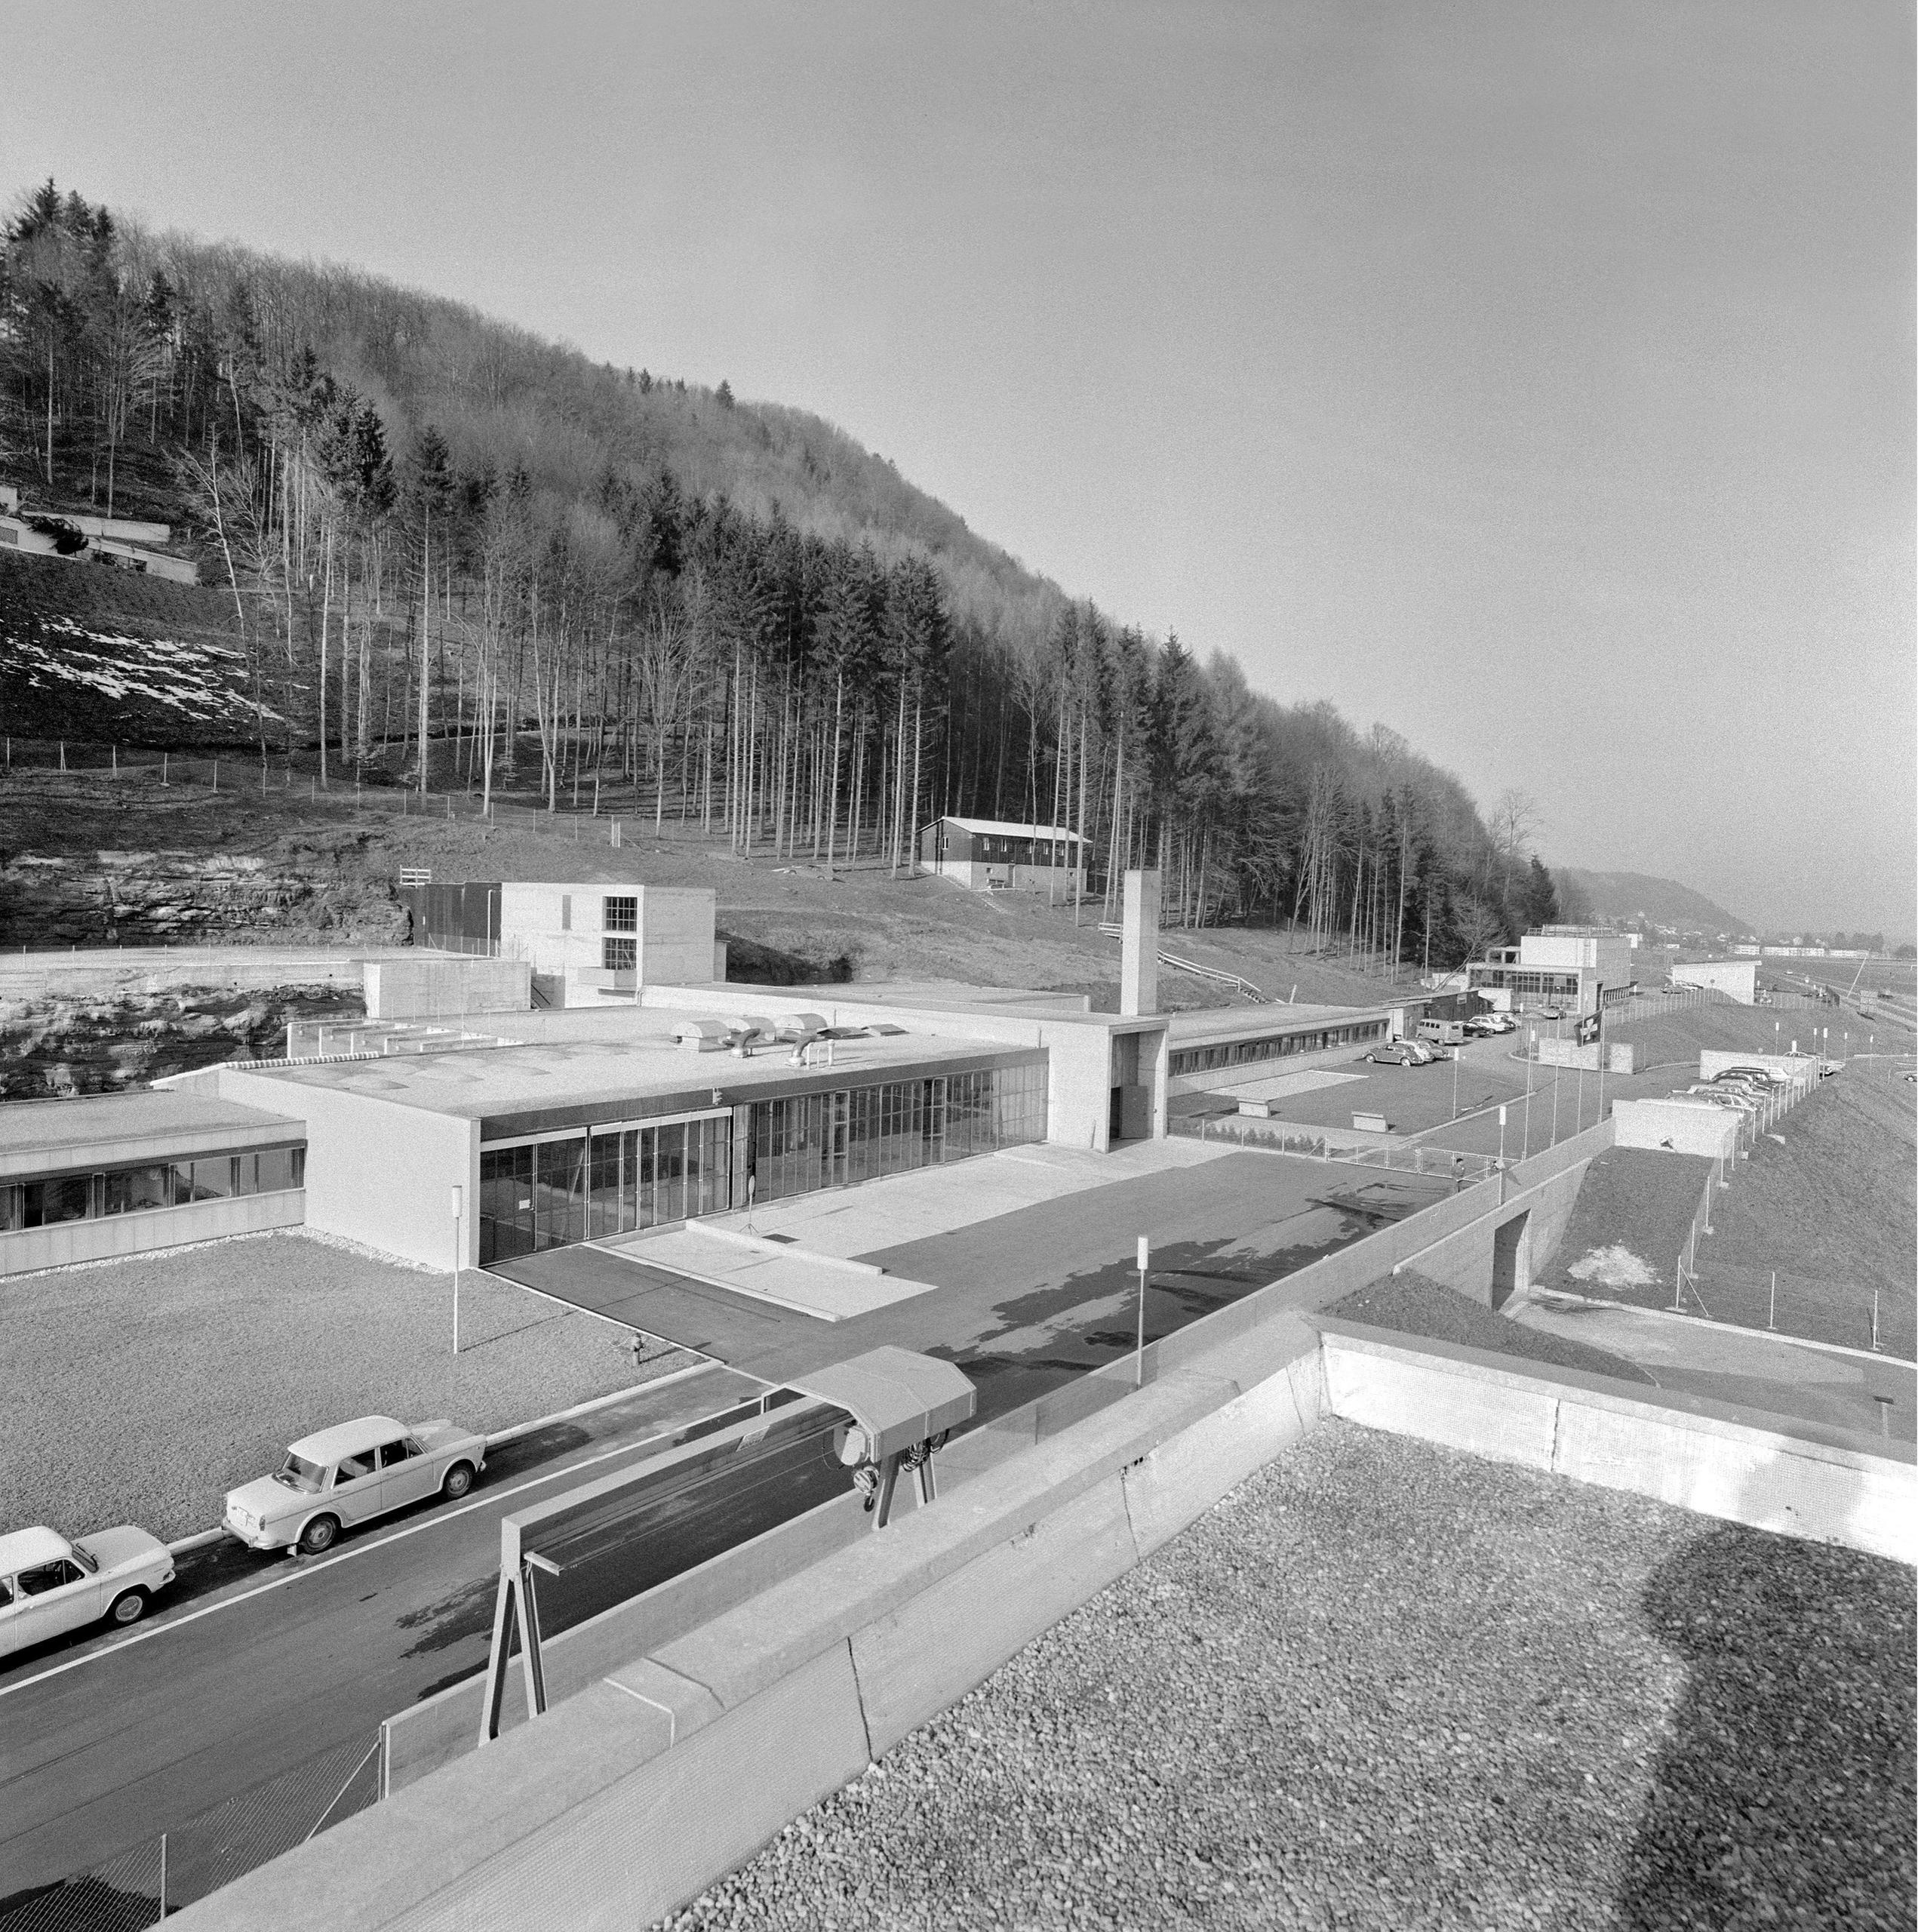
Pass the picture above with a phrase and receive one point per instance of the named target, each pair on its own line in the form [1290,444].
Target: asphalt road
[109,1741]
[258,1665]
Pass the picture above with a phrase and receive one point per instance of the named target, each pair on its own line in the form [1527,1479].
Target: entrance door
[1508,1259]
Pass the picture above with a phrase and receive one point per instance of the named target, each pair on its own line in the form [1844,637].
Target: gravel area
[142,1390]
[1385,1685]
[1414,1305]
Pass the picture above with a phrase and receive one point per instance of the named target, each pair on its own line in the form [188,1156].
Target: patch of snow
[1614,1267]
[193,679]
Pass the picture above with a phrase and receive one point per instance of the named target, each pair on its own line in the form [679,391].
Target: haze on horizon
[1538,381]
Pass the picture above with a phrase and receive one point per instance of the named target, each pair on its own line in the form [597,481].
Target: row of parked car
[331,1481]
[1744,1089]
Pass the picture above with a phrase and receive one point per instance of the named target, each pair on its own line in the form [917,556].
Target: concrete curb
[206,1539]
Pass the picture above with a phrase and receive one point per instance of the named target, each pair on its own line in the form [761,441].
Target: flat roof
[46,1134]
[487,1083]
[1206,1026]
[1001,828]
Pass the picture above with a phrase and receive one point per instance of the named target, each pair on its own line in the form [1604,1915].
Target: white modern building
[1580,969]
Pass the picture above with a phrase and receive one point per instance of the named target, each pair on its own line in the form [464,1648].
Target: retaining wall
[1828,1485]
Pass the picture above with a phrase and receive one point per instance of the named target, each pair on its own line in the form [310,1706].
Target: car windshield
[295,1472]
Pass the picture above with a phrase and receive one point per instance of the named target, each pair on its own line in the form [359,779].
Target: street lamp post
[1145,1266]
[1502,1156]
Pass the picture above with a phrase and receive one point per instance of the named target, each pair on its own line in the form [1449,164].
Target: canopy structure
[899,1398]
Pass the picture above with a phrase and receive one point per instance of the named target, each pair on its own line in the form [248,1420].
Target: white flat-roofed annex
[111,1129]
[597,1054]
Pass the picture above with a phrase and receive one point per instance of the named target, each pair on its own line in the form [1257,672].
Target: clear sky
[1539,379]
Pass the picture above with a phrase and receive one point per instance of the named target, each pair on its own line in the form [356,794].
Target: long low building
[575,1124]
[87,1179]
[1219,1048]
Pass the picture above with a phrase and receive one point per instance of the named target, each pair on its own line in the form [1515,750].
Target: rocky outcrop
[144,898]
[61,1045]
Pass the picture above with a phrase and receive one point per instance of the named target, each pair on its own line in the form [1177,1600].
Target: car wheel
[320,1535]
[129,1606]
[458,1480]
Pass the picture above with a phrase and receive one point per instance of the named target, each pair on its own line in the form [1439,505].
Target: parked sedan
[49,1584]
[349,1473]
[1397,1053]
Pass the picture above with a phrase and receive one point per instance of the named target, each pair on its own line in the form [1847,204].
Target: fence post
[163,1874]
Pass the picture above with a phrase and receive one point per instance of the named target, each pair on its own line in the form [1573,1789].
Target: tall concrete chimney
[1138,945]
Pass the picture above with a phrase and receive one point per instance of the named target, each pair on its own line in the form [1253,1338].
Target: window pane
[213,1179]
[65,1199]
[136,1190]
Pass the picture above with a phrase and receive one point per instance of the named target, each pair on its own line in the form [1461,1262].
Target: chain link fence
[163,1873]
[1440,1163]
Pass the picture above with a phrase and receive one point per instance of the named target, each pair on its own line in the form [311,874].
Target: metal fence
[597,817]
[1840,1312]
[169,1870]
[1440,1163]
[1846,1313]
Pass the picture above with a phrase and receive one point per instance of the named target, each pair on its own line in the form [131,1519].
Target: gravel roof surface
[142,1390]
[1383,1685]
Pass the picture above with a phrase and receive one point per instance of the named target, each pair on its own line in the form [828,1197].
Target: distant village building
[988,854]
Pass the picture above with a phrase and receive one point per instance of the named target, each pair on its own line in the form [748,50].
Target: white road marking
[308,1569]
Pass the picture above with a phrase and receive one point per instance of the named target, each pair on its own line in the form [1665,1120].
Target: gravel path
[1384,1685]
[141,1391]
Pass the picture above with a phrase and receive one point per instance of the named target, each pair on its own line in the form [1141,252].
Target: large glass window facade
[601,1182]
[832,1139]
[121,1190]
[614,1181]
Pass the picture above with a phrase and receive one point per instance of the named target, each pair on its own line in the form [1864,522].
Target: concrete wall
[1619,1056]
[1464,1259]
[1737,979]
[1678,1127]
[560,931]
[629,1798]
[430,988]
[671,1767]
[23,1250]
[377,1172]
[1828,1486]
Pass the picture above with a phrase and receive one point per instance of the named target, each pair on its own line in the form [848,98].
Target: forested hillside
[453,555]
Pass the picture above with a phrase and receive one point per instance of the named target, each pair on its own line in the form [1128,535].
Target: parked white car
[49,1584]
[349,1473]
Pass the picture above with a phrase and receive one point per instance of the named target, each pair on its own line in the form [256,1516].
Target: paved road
[264,1663]
[106,1742]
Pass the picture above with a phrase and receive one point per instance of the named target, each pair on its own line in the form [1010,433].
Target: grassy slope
[882,928]
[1837,1201]
[1414,1305]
